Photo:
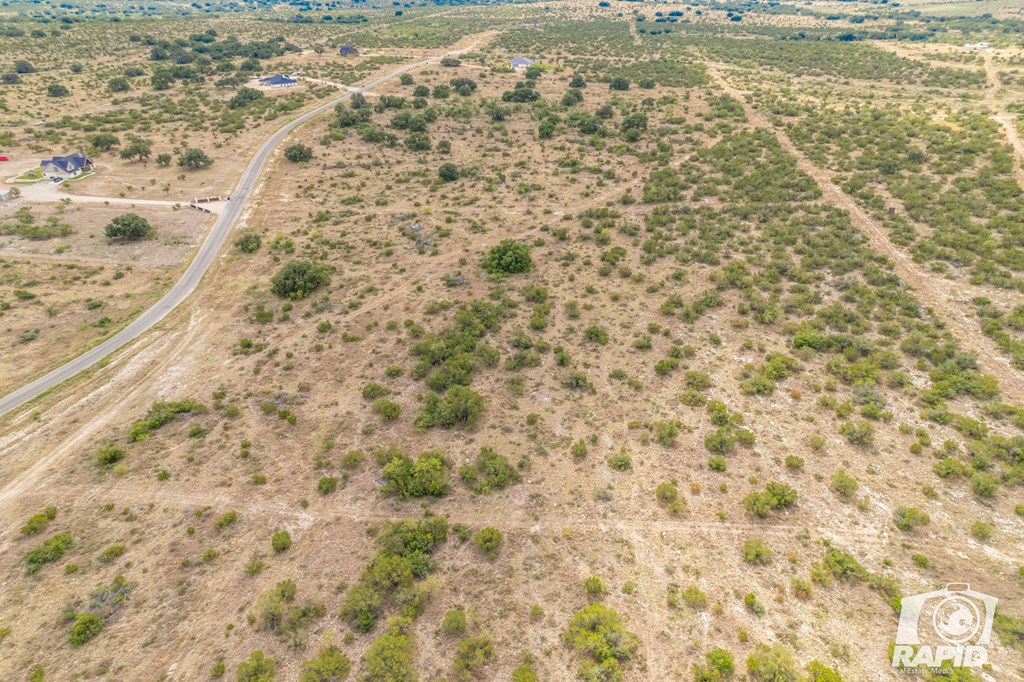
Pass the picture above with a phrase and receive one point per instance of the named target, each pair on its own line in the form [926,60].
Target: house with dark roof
[348,51]
[66,166]
[278,81]
[520,63]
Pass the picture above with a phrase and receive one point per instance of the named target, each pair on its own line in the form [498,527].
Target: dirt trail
[1006,120]
[948,299]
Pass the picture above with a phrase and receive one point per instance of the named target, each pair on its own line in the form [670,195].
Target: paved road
[199,265]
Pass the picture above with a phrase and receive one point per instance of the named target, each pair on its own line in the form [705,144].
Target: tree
[577,82]
[619,83]
[119,84]
[129,227]
[163,159]
[104,141]
[57,90]
[244,97]
[298,279]
[406,79]
[298,153]
[161,80]
[10,79]
[448,172]
[194,159]
[507,258]
[24,66]
[137,149]
[450,62]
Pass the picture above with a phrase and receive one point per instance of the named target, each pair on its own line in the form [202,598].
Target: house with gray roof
[279,81]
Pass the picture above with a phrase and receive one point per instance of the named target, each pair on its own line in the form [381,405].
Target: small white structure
[520,63]
[6,195]
[977,46]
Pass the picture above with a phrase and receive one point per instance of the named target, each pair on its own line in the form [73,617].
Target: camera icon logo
[952,625]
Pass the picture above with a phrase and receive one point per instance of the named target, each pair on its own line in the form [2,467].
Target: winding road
[208,250]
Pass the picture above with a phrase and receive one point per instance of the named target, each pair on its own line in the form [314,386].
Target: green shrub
[490,472]
[373,390]
[844,484]
[257,668]
[598,632]
[454,622]
[330,665]
[775,496]
[327,485]
[489,540]
[459,407]
[109,455]
[111,554]
[389,658]
[225,520]
[772,664]
[620,461]
[858,433]
[279,611]
[471,656]
[161,414]
[595,586]
[981,530]
[281,541]
[508,258]
[909,518]
[248,242]
[756,553]
[85,626]
[39,522]
[426,476]
[387,410]
[49,551]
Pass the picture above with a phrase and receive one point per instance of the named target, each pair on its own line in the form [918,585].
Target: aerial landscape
[601,340]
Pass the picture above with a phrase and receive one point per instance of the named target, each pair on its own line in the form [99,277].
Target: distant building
[6,195]
[66,166]
[977,46]
[279,81]
[520,63]
[348,51]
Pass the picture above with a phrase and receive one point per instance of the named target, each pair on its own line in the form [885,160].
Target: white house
[66,166]
[520,63]
[977,46]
